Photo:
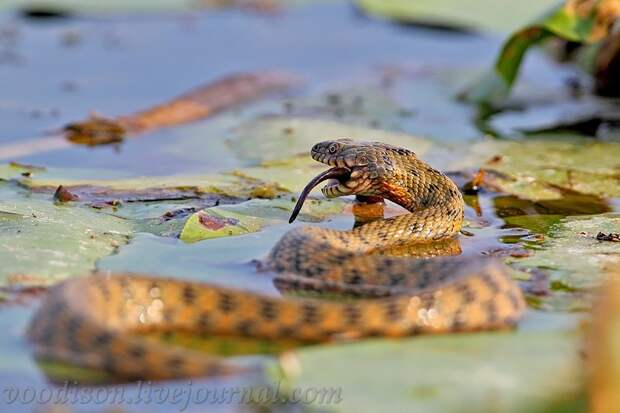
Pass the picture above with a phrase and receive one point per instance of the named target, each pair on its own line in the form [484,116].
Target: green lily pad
[550,168]
[95,182]
[251,216]
[571,254]
[53,241]
[465,373]
[278,137]
[213,223]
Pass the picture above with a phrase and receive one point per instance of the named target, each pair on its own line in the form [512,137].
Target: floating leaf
[213,223]
[549,168]
[278,137]
[104,186]
[434,374]
[571,254]
[52,241]
[251,216]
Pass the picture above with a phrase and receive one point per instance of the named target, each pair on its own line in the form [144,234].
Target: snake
[103,321]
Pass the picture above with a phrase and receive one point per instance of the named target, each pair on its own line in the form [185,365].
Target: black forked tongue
[333,173]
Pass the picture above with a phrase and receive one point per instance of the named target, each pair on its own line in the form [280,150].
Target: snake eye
[333,148]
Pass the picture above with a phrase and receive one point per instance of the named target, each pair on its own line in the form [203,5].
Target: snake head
[364,166]
[357,168]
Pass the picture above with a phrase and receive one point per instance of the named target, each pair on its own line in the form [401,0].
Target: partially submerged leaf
[105,186]
[54,242]
[572,256]
[434,374]
[549,168]
[214,223]
[251,216]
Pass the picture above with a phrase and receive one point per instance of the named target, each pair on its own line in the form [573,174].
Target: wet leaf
[572,256]
[251,216]
[278,137]
[107,186]
[213,223]
[68,240]
[550,168]
[434,374]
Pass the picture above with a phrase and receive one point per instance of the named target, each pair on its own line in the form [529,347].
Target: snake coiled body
[98,321]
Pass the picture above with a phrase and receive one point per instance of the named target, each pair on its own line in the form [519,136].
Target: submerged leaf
[434,374]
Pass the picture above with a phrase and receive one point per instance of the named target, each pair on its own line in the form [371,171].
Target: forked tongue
[323,176]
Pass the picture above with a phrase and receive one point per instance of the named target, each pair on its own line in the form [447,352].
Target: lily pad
[104,185]
[549,168]
[54,241]
[571,254]
[465,373]
[279,137]
[251,216]
[213,223]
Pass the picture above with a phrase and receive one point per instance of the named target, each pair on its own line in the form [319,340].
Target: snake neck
[417,186]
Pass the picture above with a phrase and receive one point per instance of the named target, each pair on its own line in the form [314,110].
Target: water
[58,71]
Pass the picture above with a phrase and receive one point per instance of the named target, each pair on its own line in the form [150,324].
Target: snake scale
[100,321]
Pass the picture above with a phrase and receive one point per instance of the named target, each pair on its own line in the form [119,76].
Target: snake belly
[100,321]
